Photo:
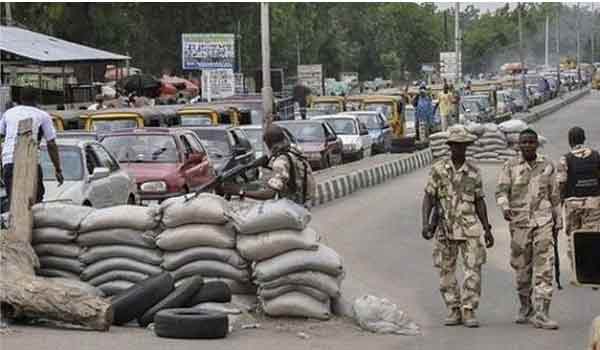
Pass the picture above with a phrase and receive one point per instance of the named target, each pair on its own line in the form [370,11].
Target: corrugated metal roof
[44,48]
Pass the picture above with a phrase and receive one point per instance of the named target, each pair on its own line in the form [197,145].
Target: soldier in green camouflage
[527,194]
[455,188]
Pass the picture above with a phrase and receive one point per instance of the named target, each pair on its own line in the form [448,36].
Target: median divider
[345,184]
[553,106]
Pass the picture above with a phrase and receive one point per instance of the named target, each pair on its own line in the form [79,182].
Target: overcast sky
[483,6]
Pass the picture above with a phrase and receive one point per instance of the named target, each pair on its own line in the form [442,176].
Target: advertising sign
[311,76]
[448,65]
[207,51]
[217,83]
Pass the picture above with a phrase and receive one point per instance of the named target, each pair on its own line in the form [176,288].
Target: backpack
[308,178]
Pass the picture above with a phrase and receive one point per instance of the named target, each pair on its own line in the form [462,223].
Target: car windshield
[215,140]
[110,125]
[342,126]
[384,108]
[196,120]
[471,105]
[142,148]
[483,101]
[306,132]
[370,120]
[70,160]
[256,138]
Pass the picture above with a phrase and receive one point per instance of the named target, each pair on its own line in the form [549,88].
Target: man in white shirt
[41,127]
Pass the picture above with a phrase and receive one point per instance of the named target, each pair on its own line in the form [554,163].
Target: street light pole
[522,59]
[8,11]
[547,47]
[558,46]
[457,42]
[267,91]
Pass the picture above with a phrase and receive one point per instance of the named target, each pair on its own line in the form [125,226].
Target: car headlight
[154,186]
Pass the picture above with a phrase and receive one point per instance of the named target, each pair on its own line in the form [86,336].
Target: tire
[190,324]
[213,291]
[87,204]
[133,302]
[176,299]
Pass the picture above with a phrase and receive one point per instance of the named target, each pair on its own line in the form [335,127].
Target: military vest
[583,175]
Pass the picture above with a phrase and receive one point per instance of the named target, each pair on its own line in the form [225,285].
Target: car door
[365,138]
[120,182]
[386,130]
[196,167]
[97,191]
[333,144]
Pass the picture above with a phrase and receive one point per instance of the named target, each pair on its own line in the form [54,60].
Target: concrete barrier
[554,105]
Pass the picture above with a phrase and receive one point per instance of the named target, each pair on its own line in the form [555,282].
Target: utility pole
[8,11]
[558,46]
[267,91]
[578,43]
[522,59]
[298,48]
[593,34]
[457,42]
[547,40]
[239,45]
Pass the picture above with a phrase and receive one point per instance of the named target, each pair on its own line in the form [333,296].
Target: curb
[344,185]
[535,116]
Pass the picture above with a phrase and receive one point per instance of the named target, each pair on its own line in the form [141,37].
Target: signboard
[217,84]
[239,83]
[349,77]
[427,68]
[448,65]
[207,51]
[311,76]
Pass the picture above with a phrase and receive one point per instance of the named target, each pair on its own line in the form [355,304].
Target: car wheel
[87,203]
[191,324]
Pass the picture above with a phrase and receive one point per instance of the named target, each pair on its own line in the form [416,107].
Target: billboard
[448,65]
[311,76]
[217,84]
[207,51]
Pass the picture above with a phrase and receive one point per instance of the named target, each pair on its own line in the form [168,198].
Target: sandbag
[486,155]
[86,287]
[206,208]
[270,293]
[475,128]
[542,140]
[148,256]
[439,135]
[438,143]
[122,216]
[117,236]
[296,304]
[59,263]
[324,259]
[59,215]
[492,142]
[267,245]
[175,259]
[513,126]
[47,272]
[211,268]
[52,235]
[314,279]
[379,315]
[490,127]
[103,266]
[118,275]
[270,215]
[58,249]
[189,236]
[115,287]
[474,149]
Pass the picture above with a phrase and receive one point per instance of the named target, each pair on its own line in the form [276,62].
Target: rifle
[437,219]
[556,262]
[229,174]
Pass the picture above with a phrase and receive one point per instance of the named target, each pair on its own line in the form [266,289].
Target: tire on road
[213,291]
[176,299]
[134,301]
[191,324]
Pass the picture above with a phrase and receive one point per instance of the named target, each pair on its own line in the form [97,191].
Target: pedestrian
[423,113]
[528,195]
[455,189]
[300,95]
[99,103]
[291,177]
[42,127]
[578,175]
[445,105]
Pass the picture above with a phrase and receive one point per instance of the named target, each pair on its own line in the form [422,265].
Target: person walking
[528,195]
[454,188]
[42,127]
[445,105]
[423,113]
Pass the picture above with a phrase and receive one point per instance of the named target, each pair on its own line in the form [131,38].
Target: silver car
[92,176]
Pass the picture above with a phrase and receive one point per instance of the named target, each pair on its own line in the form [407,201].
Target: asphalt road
[377,233]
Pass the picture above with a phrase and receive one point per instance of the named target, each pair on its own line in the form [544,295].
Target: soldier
[529,198]
[291,177]
[455,188]
[578,175]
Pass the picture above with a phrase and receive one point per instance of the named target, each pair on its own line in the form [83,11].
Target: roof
[211,127]
[146,130]
[47,49]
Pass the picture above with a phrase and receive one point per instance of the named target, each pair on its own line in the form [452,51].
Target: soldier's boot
[541,319]
[525,311]
[469,319]
[454,317]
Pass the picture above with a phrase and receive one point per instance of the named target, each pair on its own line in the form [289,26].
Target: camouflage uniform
[457,191]
[280,177]
[531,192]
[580,212]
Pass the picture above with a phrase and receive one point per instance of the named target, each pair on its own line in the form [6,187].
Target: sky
[482,6]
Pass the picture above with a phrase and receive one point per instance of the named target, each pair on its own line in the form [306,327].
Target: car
[227,146]
[77,134]
[379,129]
[165,162]
[92,176]
[356,141]
[471,111]
[319,142]
[255,135]
[520,104]
[504,103]
[484,101]
[535,96]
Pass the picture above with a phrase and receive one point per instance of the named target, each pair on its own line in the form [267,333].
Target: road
[377,233]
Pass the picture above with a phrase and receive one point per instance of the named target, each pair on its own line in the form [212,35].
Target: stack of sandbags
[54,235]
[511,129]
[437,142]
[198,241]
[297,276]
[119,249]
[491,143]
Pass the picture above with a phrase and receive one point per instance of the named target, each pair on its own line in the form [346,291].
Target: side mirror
[195,158]
[99,173]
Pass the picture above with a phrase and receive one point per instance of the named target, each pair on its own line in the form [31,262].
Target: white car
[92,176]
[356,141]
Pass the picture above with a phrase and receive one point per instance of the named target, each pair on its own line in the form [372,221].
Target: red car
[164,162]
